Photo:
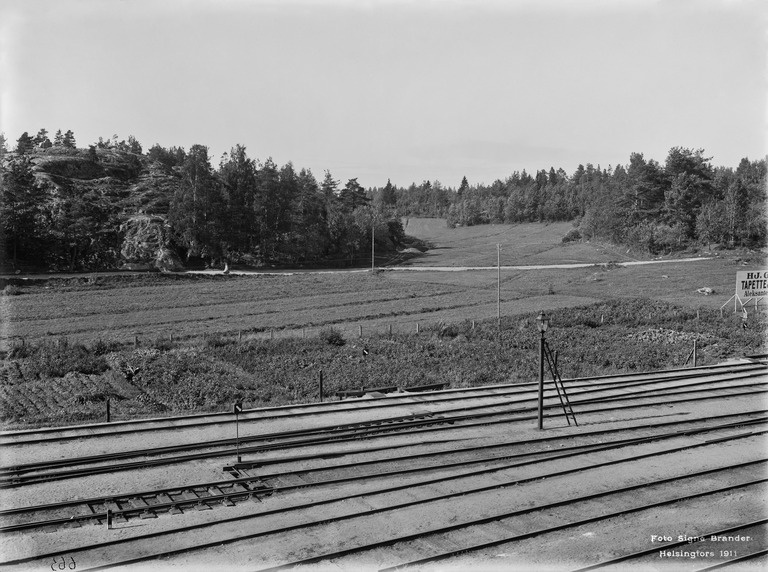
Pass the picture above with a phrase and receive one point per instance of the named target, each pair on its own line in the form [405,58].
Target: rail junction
[665,470]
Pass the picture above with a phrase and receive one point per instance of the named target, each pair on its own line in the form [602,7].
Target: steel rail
[669,545]
[373,511]
[10,438]
[485,520]
[542,455]
[337,427]
[13,482]
[446,555]
[278,460]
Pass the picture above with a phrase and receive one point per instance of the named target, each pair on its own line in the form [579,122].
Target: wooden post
[135,341]
[417,327]
[473,324]
[321,386]
[108,412]
[694,353]
[170,337]
[109,519]
[390,330]
[271,334]
[360,331]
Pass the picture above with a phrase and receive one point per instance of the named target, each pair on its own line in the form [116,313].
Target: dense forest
[66,208]
[112,203]
[645,205]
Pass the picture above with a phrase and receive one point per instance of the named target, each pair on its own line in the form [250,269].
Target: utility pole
[373,243]
[498,286]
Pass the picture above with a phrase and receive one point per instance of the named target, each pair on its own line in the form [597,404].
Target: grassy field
[205,340]
[160,306]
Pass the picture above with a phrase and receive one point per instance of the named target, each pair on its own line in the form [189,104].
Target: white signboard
[751,284]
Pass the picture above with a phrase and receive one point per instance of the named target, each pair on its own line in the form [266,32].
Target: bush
[572,235]
[101,347]
[60,357]
[332,336]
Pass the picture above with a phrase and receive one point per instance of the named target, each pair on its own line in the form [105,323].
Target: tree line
[242,211]
[644,204]
[257,212]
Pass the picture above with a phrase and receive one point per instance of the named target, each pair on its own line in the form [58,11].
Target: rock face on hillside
[123,195]
[145,245]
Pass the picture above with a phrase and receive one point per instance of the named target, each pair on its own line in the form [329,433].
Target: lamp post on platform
[542,323]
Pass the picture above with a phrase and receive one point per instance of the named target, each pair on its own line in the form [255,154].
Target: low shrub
[102,347]
[332,336]
[572,235]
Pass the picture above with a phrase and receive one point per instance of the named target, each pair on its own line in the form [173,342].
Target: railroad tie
[138,502]
[115,508]
[226,501]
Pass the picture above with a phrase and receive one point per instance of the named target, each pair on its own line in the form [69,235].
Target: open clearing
[158,306]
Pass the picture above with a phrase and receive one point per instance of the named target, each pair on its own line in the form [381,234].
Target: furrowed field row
[115,305]
[277,315]
[367,316]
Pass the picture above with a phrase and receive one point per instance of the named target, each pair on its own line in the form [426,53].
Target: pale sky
[407,90]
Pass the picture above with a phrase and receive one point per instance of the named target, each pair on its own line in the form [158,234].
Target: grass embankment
[59,383]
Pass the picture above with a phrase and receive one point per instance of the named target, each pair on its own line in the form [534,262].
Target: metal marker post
[541,382]
[237,407]
[542,322]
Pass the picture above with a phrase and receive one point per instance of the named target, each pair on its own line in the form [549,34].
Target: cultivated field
[169,344]
[157,306]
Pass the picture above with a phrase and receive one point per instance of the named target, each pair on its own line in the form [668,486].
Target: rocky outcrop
[146,244]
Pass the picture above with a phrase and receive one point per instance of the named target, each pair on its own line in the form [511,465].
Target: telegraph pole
[373,243]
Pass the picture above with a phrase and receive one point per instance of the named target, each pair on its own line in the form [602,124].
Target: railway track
[132,427]
[423,481]
[31,473]
[542,470]
[203,496]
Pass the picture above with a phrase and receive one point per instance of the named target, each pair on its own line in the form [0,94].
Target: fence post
[360,331]
[390,330]
[271,334]
[321,386]
[108,412]
[135,341]
[417,327]
[239,336]
[170,337]
[694,353]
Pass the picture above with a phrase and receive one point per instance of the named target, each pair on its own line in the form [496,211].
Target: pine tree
[41,139]
[24,144]
[69,140]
